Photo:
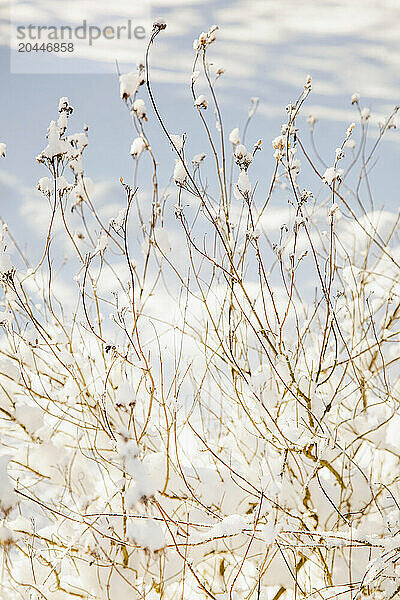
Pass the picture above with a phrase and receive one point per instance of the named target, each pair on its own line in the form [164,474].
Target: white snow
[330,175]
[6,536]
[137,147]
[179,172]
[230,525]
[243,157]
[198,158]
[46,185]
[146,533]
[139,107]
[365,114]
[234,137]
[8,498]
[128,84]
[243,183]
[201,101]
[177,140]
